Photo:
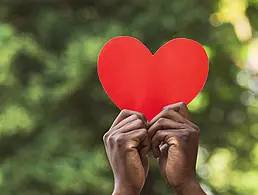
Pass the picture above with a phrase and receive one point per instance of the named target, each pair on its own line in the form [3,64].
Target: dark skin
[173,139]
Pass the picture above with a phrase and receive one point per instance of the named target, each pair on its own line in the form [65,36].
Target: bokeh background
[54,112]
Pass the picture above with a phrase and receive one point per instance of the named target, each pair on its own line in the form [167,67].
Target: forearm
[125,192]
[193,188]
[122,190]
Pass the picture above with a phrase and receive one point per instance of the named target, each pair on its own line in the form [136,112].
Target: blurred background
[54,112]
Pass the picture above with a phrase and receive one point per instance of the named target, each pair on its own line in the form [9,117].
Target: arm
[193,187]
[175,141]
[127,146]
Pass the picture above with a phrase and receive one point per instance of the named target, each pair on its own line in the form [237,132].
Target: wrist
[125,190]
[191,187]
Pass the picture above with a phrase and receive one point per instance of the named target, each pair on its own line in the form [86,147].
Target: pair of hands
[171,136]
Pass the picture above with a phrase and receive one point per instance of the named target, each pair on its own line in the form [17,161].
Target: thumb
[162,160]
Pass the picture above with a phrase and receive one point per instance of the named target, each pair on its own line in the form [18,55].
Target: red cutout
[137,80]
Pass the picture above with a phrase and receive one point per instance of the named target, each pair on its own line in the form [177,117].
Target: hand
[127,146]
[175,141]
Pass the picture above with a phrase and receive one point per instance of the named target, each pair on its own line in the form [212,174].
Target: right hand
[175,141]
[127,146]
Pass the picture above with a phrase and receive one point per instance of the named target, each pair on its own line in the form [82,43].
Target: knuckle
[142,116]
[166,111]
[198,129]
[121,142]
[186,135]
[185,126]
[191,129]
[139,123]
[192,133]
[196,133]
[111,140]
[188,132]
[124,111]
[182,105]
[135,116]
[120,139]
[115,140]
[161,121]
[105,137]
[158,133]
[169,112]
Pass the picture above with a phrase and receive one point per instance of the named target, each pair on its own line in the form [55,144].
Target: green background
[54,112]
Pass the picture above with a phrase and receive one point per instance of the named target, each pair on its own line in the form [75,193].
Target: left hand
[127,146]
[175,141]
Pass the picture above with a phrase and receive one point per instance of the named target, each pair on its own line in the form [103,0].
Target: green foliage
[54,111]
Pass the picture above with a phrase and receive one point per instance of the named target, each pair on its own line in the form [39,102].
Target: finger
[162,160]
[124,122]
[126,113]
[171,114]
[127,121]
[139,137]
[164,148]
[145,147]
[164,123]
[170,137]
[181,108]
[132,126]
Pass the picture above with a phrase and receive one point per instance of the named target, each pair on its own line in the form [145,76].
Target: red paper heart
[137,80]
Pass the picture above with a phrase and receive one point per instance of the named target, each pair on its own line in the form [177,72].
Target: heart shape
[137,80]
